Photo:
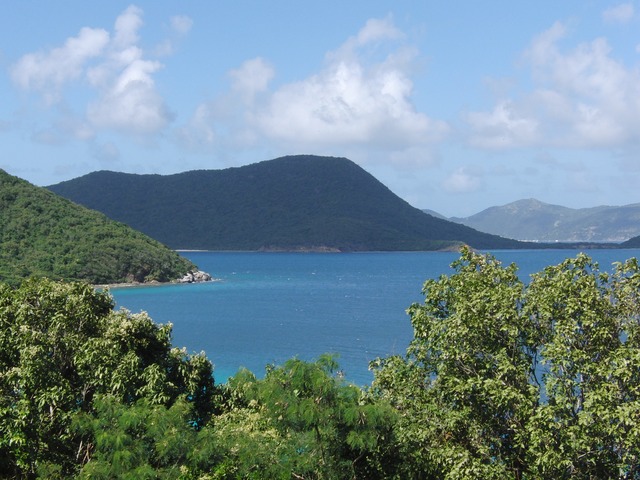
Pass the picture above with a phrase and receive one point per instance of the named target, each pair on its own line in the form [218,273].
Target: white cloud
[47,72]
[581,98]
[252,78]
[353,100]
[126,27]
[113,65]
[501,128]
[462,180]
[360,98]
[131,104]
[200,132]
[180,26]
[622,13]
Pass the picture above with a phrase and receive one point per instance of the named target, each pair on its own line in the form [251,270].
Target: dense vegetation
[42,234]
[534,220]
[502,380]
[296,202]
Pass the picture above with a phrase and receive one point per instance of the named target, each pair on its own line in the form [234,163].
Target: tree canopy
[503,379]
[42,234]
[506,380]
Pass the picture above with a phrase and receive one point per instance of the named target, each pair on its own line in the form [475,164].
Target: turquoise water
[269,307]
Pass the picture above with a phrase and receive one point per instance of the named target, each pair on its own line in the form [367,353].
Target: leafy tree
[42,234]
[589,425]
[300,421]
[504,380]
[464,387]
[142,440]
[61,344]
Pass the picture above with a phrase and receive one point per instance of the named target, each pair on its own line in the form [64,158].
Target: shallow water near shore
[268,307]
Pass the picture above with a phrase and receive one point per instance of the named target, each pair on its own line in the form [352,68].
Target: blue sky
[455,106]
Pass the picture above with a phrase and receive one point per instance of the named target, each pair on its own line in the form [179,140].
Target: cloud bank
[582,98]
[112,66]
[357,100]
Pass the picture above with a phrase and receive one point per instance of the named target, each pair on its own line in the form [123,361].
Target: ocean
[265,308]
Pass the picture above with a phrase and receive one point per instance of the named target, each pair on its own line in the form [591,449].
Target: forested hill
[43,234]
[290,203]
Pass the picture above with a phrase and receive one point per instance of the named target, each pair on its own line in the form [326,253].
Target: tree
[504,380]
[464,387]
[588,427]
[61,344]
[300,421]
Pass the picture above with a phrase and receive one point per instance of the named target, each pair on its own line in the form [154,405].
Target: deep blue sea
[268,307]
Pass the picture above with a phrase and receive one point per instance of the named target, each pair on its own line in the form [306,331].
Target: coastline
[189,278]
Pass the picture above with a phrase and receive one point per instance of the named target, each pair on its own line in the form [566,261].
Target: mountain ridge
[533,220]
[289,203]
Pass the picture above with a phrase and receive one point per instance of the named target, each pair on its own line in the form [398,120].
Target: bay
[268,307]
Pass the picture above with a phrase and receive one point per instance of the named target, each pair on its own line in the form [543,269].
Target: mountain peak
[531,219]
[293,202]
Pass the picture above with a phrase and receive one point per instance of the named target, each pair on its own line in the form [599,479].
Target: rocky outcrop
[196,277]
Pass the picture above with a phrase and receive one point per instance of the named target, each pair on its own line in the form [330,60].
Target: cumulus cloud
[112,65]
[252,78]
[622,13]
[504,127]
[360,98]
[47,72]
[200,132]
[582,97]
[353,100]
[130,102]
[180,26]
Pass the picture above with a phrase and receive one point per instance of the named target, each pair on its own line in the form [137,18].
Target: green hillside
[290,203]
[42,234]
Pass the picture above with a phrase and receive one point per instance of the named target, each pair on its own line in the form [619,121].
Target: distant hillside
[631,243]
[538,221]
[290,203]
[46,235]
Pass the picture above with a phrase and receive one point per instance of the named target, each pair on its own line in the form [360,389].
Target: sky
[455,106]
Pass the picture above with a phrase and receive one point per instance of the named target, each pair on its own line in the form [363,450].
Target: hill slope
[631,243]
[46,235]
[535,220]
[295,202]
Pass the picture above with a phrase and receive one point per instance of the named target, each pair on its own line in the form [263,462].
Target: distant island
[293,203]
[45,235]
[533,220]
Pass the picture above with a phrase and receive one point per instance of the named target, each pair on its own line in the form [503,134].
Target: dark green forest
[42,234]
[502,380]
[290,203]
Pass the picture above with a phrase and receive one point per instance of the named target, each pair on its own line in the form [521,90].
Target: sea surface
[265,308]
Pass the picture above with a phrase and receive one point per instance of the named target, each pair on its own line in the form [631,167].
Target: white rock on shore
[195,277]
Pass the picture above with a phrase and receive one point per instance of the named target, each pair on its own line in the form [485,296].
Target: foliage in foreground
[62,347]
[42,234]
[502,380]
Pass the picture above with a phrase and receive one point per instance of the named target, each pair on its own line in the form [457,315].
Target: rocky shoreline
[197,276]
